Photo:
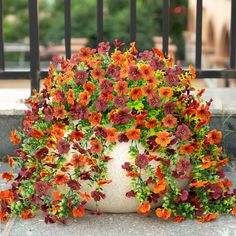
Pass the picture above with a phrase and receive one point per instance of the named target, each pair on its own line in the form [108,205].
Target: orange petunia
[14,138]
[7,176]
[163,138]
[159,173]
[203,112]
[61,179]
[132,174]
[78,212]
[207,163]
[76,135]
[133,134]
[178,218]
[3,217]
[208,217]
[121,88]
[38,134]
[149,91]
[151,124]
[10,161]
[78,160]
[133,48]
[214,137]
[27,215]
[58,133]
[117,58]
[192,71]
[124,71]
[95,118]
[104,181]
[98,73]
[147,71]
[145,208]
[6,195]
[111,135]
[84,98]
[71,97]
[85,196]
[160,186]
[186,149]
[169,121]
[162,213]
[135,93]
[198,184]
[96,146]
[59,112]
[89,87]
[165,92]
[233,211]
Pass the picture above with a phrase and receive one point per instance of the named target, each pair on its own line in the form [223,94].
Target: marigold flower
[169,121]
[214,137]
[84,98]
[163,138]
[96,146]
[162,213]
[165,92]
[111,135]
[145,208]
[95,118]
[61,179]
[135,93]
[133,134]
[14,138]
[90,87]
[59,112]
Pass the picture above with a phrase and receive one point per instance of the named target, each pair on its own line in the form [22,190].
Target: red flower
[61,179]
[7,176]
[41,153]
[141,161]
[41,188]
[145,208]
[135,93]
[63,147]
[14,138]
[214,137]
[103,47]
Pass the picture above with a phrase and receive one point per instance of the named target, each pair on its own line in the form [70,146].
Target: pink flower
[120,101]
[146,55]
[123,116]
[103,47]
[134,73]
[183,166]
[157,64]
[118,43]
[81,77]
[154,102]
[63,147]
[101,104]
[41,188]
[141,161]
[183,132]
[106,86]
[113,71]
[169,108]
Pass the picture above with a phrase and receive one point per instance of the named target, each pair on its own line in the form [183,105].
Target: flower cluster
[97,99]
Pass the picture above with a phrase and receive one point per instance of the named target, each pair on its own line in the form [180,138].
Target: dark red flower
[106,86]
[123,138]
[118,43]
[63,147]
[100,131]
[97,196]
[169,107]
[183,166]
[134,73]
[81,77]
[141,160]
[41,188]
[113,71]
[126,166]
[41,153]
[154,101]
[120,101]
[101,104]
[73,184]
[157,63]
[130,194]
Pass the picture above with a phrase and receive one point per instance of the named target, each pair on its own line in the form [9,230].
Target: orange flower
[135,93]
[104,181]
[233,211]
[96,146]
[151,124]
[165,92]
[58,133]
[178,218]
[98,73]
[133,174]
[27,215]
[84,98]
[117,58]
[10,161]
[95,118]
[214,137]
[149,91]
[208,217]
[124,71]
[71,97]
[90,87]
[61,179]
[3,217]
[207,163]
[159,173]
[169,121]
[145,208]
[121,88]
[7,176]
[133,48]
[203,112]
[186,149]
[76,135]
[85,196]
[192,71]
[111,135]
[198,184]
[6,195]
[163,138]
[78,212]
[78,160]
[165,214]
[133,134]
[59,112]
[14,138]
[160,186]
[38,134]
[147,71]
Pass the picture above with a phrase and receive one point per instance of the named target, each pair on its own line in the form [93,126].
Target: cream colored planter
[116,201]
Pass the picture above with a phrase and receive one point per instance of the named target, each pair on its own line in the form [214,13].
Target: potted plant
[125,125]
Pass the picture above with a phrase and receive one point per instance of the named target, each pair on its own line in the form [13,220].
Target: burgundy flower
[184,196]
[120,101]
[154,102]
[122,117]
[169,108]
[100,131]
[134,73]
[79,112]
[123,138]
[113,71]
[146,55]
[183,166]
[130,194]
[157,63]
[48,113]
[97,196]
[141,160]
[103,47]
[41,188]
[215,191]
[41,153]
[85,176]
[101,104]
[61,96]
[172,78]
[106,86]
[183,132]
[63,147]
[73,184]
[126,166]
[81,77]
[118,43]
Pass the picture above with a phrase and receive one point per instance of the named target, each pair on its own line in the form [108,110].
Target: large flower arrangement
[98,99]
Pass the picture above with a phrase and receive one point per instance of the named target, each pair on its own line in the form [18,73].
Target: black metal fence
[35,74]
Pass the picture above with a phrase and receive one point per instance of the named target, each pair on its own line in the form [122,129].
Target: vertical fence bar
[165,26]
[233,35]
[198,55]
[2,64]
[99,21]
[67,19]
[34,44]
[132,20]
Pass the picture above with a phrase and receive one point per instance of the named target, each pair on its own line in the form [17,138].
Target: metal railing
[35,74]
